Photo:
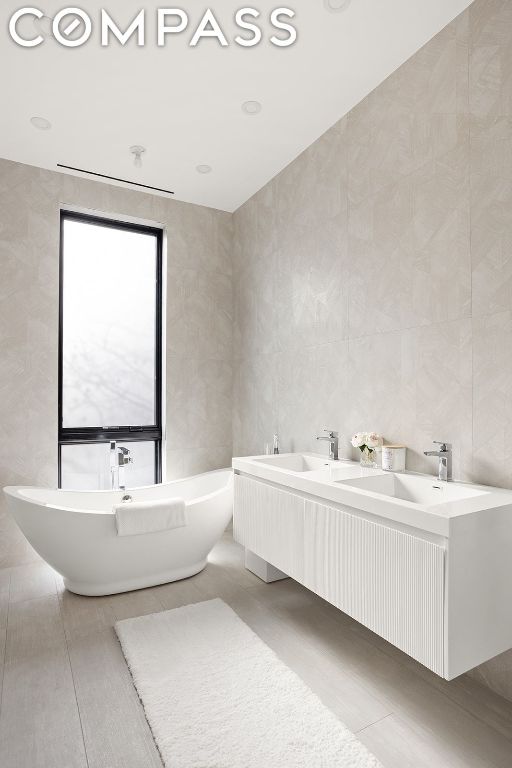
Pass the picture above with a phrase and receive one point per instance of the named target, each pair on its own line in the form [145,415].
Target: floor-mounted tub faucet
[333,441]
[445,460]
[119,458]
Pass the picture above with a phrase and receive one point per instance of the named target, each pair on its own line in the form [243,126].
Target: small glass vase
[368,458]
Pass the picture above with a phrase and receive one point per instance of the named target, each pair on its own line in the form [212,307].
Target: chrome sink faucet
[333,441]
[445,460]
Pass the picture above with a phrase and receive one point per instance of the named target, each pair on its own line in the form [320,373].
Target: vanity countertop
[409,498]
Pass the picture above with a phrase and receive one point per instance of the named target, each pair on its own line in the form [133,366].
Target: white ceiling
[184,104]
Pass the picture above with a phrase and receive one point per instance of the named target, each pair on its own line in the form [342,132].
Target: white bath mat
[216,696]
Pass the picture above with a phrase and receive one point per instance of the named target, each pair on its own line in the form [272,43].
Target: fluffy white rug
[216,696]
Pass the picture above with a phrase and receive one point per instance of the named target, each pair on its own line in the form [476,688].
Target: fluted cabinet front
[270,522]
[387,579]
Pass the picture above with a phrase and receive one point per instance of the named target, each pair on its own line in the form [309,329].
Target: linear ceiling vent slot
[114,178]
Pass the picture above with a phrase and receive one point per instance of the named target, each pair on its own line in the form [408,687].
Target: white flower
[373,440]
[359,439]
[369,440]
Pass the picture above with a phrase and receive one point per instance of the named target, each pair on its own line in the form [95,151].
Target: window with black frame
[110,353]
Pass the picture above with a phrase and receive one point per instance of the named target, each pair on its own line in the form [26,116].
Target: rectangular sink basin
[296,462]
[418,490]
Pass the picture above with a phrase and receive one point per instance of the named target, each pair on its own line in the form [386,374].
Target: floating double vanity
[425,564]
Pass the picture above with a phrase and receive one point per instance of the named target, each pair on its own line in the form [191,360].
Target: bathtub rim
[16,492]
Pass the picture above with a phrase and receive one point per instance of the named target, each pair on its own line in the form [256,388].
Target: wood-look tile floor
[67,700]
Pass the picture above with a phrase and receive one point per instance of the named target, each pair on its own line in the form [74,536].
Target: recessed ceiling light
[137,151]
[335,6]
[251,107]
[204,168]
[41,123]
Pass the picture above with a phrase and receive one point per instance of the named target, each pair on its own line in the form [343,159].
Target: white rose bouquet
[367,442]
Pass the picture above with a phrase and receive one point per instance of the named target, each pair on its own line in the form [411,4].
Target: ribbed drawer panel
[390,581]
[270,522]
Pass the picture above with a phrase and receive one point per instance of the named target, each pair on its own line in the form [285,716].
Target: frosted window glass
[86,467]
[109,315]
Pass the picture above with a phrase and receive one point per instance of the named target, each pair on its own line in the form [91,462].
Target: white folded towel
[137,517]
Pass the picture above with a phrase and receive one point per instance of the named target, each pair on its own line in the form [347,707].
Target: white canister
[393,458]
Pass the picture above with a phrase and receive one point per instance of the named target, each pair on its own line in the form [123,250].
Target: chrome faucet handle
[123,456]
[445,447]
[333,440]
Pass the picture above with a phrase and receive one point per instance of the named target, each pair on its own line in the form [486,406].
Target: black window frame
[118,433]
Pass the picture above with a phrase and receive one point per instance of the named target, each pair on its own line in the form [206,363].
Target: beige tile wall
[199,321]
[373,276]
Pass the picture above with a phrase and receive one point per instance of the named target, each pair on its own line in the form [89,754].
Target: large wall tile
[312,286]
[313,187]
[255,404]
[492,412]
[199,313]
[312,394]
[374,398]
[379,228]
[198,238]
[437,393]
[490,22]
[255,307]
[187,462]
[412,118]
[199,402]
[490,63]
[438,276]
[491,243]
[427,82]
[298,399]
[491,146]
[253,228]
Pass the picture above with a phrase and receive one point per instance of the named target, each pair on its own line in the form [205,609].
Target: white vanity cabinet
[389,580]
[397,580]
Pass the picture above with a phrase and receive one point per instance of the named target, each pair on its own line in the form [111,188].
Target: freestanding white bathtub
[76,533]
